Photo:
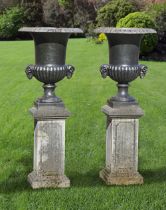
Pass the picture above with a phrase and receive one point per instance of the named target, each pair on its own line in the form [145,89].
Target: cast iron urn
[50,55]
[123,67]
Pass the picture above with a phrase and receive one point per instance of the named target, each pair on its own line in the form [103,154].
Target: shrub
[33,14]
[97,39]
[155,9]
[64,3]
[113,11]
[90,31]
[102,37]
[140,4]
[141,20]
[69,13]
[161,21]
[84,14]
[10,21]
[158,13]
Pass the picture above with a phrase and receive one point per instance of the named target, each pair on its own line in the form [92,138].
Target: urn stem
[49,90]
[49,97]
[122,97]
[123,91]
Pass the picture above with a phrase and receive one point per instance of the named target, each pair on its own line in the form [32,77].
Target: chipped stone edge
[50,30]
[111,30]
[132,111]
[49,113]
[37,181]
[135,179]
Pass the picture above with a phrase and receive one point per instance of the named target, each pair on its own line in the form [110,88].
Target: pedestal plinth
[122,145]
[49,148]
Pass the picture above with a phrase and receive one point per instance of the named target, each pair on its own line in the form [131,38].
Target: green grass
[83,95]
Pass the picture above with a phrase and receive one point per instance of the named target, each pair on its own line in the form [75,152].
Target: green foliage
[10,21]
[158,14]
[100,39]
[161,21]
[33,14]
[141,20]
[113,11]
[64,3]
[155,9]
[84,14]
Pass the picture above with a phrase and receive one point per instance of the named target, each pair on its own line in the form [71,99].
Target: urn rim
[113,30]
[50,30]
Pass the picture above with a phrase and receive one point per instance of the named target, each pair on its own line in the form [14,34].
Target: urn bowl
[123,67]
[50,56]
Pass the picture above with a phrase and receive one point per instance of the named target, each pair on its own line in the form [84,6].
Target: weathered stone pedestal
[49,148]
[122,145]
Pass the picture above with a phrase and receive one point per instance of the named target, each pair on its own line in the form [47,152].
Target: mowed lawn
[83,95]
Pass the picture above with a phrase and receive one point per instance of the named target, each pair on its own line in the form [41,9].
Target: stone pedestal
[49,148]
[122,145]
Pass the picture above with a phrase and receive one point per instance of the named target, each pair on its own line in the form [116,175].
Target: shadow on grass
[89,179]
[17,180]
[11,185]
[154,175]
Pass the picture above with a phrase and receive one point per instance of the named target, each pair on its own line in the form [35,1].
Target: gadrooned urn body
[123,67]
[50,56]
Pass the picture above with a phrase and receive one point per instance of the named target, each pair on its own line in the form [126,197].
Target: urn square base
[120,179]
[46,181]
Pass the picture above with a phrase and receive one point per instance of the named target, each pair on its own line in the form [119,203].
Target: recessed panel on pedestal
[50,146]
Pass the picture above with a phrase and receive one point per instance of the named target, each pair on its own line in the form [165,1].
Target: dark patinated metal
[123,67]
[50,56]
